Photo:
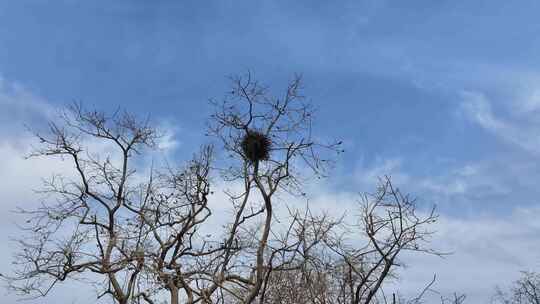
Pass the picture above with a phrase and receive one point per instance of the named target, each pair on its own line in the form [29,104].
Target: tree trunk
[174,295]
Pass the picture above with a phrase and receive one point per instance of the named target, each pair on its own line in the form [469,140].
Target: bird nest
[256,146]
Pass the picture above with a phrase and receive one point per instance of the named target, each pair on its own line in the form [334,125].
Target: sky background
[442,95]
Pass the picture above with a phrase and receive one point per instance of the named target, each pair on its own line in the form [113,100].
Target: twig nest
[256,146]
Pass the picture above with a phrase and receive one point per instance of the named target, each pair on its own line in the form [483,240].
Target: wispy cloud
[486,251]
[523,133]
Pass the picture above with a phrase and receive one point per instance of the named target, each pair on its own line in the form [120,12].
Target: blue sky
[443,95]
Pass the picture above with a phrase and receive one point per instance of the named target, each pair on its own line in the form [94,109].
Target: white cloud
[487,251]
[520,127]
[478,108]
[368,175]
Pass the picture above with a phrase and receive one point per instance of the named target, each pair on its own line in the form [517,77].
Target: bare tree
[132,235]
[176,206]
[267,138]
[84,228]
[337,269]
[143,238]
[526,290]
[269,141]
[392,225]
